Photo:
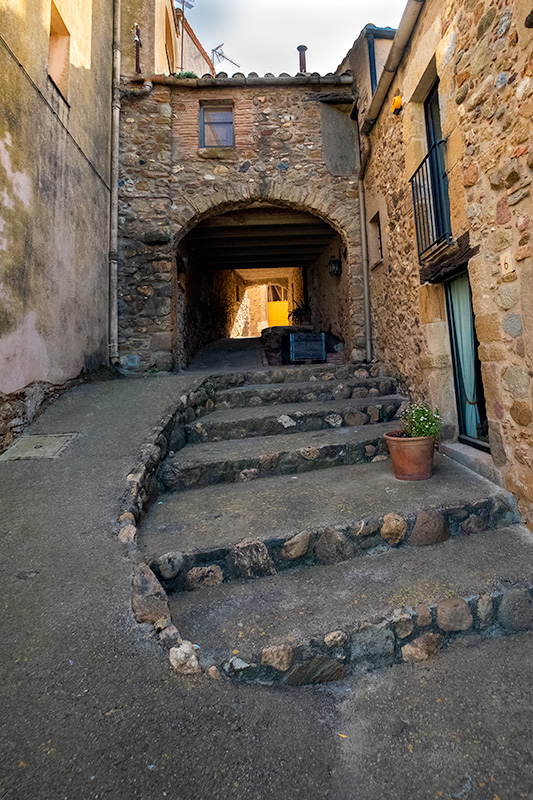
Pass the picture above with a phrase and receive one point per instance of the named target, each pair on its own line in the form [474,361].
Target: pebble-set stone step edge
[198,401]
[291,419]
[295,374]
[407,634]
[329,544]
[149,599]
[319,391]
[174,476]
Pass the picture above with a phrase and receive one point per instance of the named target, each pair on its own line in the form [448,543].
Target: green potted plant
[411,449]
[300,314]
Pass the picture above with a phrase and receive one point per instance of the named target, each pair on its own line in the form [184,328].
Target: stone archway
[323,205]
[170,184]
[343,293]
[154,317]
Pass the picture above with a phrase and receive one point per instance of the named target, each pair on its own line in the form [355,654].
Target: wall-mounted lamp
[396,106]
[335,267]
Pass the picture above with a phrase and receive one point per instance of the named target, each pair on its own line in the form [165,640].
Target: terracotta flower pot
[412,458]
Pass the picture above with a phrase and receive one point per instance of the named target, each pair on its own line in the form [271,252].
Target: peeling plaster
[24,356]
[20,181]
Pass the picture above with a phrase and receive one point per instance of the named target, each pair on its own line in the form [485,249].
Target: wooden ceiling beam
[262,258]
[260,217]
[259,232]
[252,264]
[275,249]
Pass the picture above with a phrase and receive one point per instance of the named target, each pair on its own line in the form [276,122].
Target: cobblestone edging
[177,477]
[408,634]
[169,435]
[329,544]
[149,598]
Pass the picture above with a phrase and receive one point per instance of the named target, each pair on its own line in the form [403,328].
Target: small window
[375,247]
[276,293]
[59,52]
[216,125]
[432,116]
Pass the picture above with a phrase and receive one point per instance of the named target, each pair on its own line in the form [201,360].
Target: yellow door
[278,313]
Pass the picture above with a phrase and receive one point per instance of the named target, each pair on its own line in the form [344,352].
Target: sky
[262,35]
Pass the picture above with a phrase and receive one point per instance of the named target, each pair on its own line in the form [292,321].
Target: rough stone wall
[482,53]
[241,325]
[258,315]
[328,297]
[168,184]
[54,203]
[210,310]
[296,288]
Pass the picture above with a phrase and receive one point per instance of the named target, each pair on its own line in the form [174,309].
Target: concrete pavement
[91,709]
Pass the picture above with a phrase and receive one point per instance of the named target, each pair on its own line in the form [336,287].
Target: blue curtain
[463,322]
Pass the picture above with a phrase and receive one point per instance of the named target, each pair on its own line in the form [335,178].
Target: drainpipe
[371,60]
[403,34]
[113,214]
[371,34]
[135,93]
[364,147]
[115,163]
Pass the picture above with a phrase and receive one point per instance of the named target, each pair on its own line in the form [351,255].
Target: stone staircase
[270,499]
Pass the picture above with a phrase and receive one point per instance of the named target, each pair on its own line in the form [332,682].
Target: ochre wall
[482,55]
[150,16]
[163,10]
[54,196]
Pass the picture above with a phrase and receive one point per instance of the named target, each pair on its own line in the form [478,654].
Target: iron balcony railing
[431,202]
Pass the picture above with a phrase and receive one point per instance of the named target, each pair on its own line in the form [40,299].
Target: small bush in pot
[419,420]
[300,314]
[412,448]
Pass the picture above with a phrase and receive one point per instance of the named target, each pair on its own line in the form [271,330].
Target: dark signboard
[308,346]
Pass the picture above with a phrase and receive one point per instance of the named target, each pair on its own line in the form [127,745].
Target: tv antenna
[218,55]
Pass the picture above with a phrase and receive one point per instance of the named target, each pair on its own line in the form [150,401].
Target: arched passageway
[243,270]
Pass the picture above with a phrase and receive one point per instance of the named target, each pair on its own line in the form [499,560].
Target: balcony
[429,185]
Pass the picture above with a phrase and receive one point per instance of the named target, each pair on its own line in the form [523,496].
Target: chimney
[301,49]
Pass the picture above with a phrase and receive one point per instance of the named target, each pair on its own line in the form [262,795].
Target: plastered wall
[54,197]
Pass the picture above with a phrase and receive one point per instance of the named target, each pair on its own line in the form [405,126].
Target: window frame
[228,106]
[59,41]
[375,240]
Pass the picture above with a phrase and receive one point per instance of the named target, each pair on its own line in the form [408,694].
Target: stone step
[339,512]
[296,374]
[303,627]
[261,456]
[239,423]
[307,392]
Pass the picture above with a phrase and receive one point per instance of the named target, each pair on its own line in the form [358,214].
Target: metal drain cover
[46,446]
